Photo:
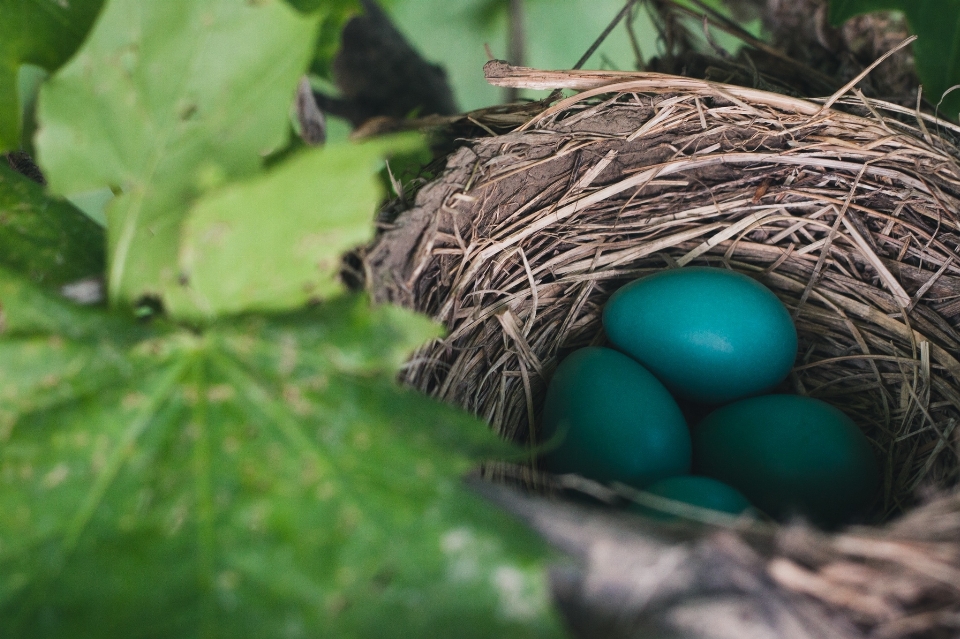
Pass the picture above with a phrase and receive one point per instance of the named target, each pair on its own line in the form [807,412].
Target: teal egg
[789,454]
[613,420]
[710,335]
[697,491]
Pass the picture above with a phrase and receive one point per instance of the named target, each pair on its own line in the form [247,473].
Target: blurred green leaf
[937,49]
[41,32]
[486,13]
[328,39]
[255,480]
[454,35]
[275,242]
[61,352]
[178,97]
[48,240]
[29,80]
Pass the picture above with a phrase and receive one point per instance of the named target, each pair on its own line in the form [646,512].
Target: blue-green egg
[789,455]
[611,420]
[704,492]
[710,335]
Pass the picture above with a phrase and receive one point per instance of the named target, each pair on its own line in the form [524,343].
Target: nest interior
[850,217]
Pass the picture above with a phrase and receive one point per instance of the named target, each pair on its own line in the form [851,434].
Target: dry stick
[737,243]
[873,110]
[686,165]
[597,82]
[860,76]
[911,389]
[533,289]
[923,128]
[798,579]
[528,394]
[634,43]
[901,110]
[846,358]
[603,36]
[744,224]
[911,557]
[593,173]
[929,283]
[635,253]
[864,347]
[942,442]
[725,24]
[869,314]
[825,251]
[900,295]
[878,214]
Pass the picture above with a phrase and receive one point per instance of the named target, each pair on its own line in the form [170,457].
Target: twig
[603,36]
[516,46]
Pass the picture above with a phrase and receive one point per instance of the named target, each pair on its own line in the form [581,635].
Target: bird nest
[847,209]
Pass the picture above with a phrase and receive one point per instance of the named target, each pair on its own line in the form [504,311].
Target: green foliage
[247,481]
[335,14]
[841,10]
[227,238]
[48,240]
[455,34]
[40,32]
[937,49]
[247,475]
[179,97]
[28,86]
[486,13]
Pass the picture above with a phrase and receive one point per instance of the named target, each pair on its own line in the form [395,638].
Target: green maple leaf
[48,240]
[41,32]
[250,480]
[178,97]
[937,49]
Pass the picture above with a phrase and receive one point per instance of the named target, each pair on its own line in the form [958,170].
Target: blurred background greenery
[461,35]
[557,34]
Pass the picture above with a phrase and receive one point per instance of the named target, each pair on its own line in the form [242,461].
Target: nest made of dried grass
[851,218]
[847,209]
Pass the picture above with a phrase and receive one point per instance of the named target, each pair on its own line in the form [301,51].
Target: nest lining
[851,220]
